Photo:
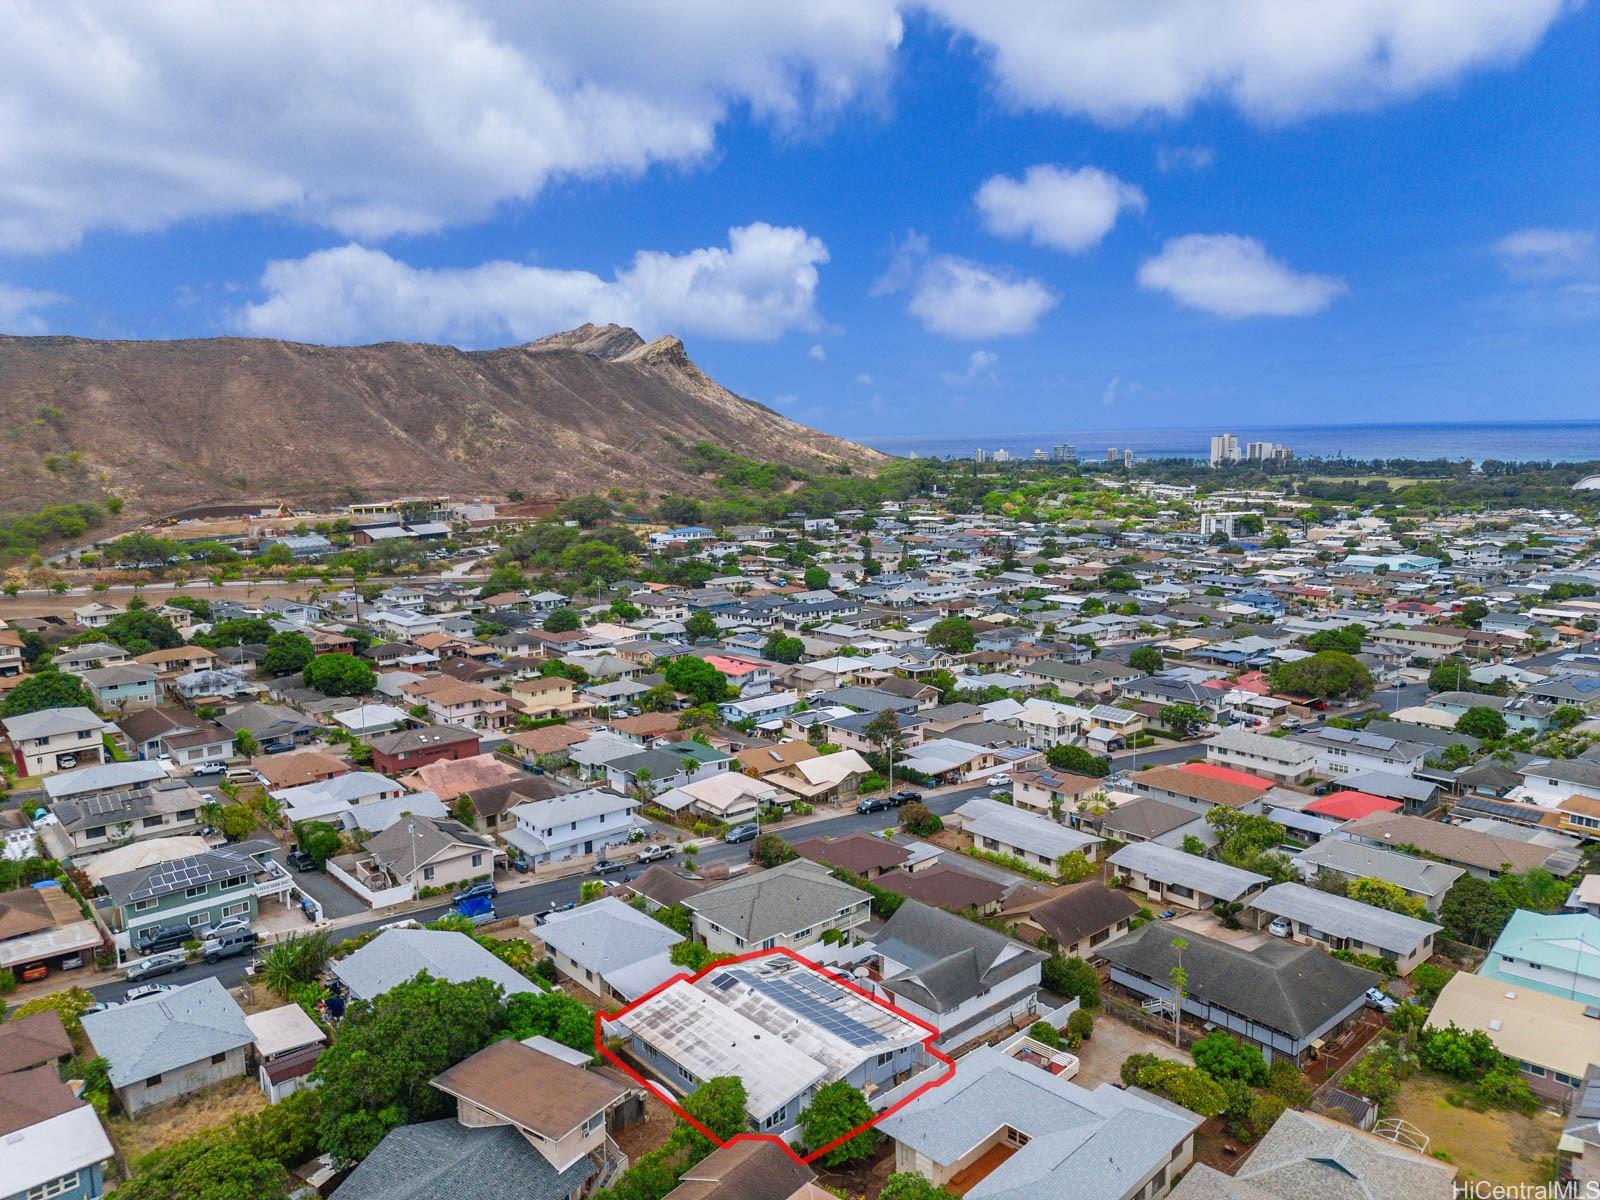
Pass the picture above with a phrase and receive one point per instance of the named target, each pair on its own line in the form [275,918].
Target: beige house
[412,854]
[1551,1037]
[465,704]
[179,660]
[826,777]
[547,696]
[54,739]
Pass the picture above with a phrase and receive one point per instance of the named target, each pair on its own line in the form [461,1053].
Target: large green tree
[783,649]
[835,1110]
[340,675]
[46,689]
[954,634]
[697,678]
[287,652]
[701,625]
[1485,724]
[563,620]
[1475,910]
[1327,675]
[1147,659]
[207,1167]
[374,1077]
[138,631]
[1077,761]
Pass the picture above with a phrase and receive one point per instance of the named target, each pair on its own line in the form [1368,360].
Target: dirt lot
[1101,1056]
[192,1115]
[1497,1146]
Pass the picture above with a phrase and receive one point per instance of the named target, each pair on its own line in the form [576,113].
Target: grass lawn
[171,1123]
[1501,1147]
[1395,482]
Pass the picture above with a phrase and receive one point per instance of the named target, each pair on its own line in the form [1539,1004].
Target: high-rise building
[1038,455]
[1111,454]
[1064,453]
[1127,458]
[1224,449]
[1267,452]
[1002,456]
[980,455]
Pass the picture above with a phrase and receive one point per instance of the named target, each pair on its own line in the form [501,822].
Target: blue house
[51,1142]
[125,685]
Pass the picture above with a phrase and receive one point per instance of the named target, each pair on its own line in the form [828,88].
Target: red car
[36,971]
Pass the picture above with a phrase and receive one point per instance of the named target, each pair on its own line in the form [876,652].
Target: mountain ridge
[172,424]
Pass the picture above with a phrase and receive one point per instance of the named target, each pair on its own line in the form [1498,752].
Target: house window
[219,1058]
[776,1118]
[153,822]
[199,919]
[885,1058]
[152,1081]
[55,1187]
[236,881]
[236,910]
[477,860]
[593,1123]
[427,872]
[144,905]
[199,889]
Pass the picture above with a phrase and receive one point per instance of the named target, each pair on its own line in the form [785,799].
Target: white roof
[38,1154]
[122,859]
[102,778]
[830,769]
[287,1027]
[607,935]
[1012,826]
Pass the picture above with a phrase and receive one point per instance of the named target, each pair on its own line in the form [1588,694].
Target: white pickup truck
[656,853]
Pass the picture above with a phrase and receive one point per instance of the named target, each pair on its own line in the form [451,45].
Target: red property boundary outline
[666,1097]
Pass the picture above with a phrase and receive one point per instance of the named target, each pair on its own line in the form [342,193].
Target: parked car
[520,865]
[227,925]
[741,833]
[71,962]
[228,944]
[1381,1000]
[604,866]
[157,938]
[1289,723]
[1001,780]
[213,767]
[1280,928]
[478,909]
[905,797]
[156,964]
[656,853]
[874,804]
[145,990]
[300,860]
[32,972]
[477,889]
[100,1006]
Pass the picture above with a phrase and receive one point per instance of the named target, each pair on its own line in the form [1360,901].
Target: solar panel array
[191,872]
[814,999]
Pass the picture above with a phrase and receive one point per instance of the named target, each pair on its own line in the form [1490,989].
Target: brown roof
[492,801]
[424,738]
[666,886]
[1081,910]
[292,770]
[549,740]
[150,723]
[29,1097]
[177,654]
[743,1171]
[1205,788]
[529,1088]
[775,757]
[948,887]
[1063,782]
[449,778]
[1452,843]
[857,852]
[33,910]
[647,725]
[33,1041]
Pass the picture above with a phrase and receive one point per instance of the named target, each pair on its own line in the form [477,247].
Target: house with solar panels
[784,1028]
[198,890]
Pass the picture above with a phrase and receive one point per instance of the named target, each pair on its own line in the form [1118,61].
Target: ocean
[1511,441]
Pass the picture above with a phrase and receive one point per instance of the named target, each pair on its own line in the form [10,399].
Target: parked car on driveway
[741,833]
[145,990]
[156,964]
[300,860]
[1280,928]
[656,853]
[874,804]
[227,925]
[155,939]
[1381,1000]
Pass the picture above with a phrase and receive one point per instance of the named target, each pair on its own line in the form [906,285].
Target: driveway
[1101,1057]
[1204,924]
[336,901]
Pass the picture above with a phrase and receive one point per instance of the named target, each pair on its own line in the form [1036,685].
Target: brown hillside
[172,424]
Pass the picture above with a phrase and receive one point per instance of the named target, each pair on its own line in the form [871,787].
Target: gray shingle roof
[785,899]
[1293,989]
[167,1032]
[1344,917]
[396,955]
[948,959]
[607,935]
[1176,866]
[442,1158]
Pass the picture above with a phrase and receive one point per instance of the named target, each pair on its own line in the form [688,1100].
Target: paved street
[539,896]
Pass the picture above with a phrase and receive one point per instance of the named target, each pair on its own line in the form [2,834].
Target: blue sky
[880,217]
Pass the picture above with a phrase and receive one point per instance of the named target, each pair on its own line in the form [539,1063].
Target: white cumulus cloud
[1546,253]
[1057,206]
[19,308]
[390,116]
[759,286]
[961,298]
[1274,59]
[980,366]
[817,353]
[1234,276]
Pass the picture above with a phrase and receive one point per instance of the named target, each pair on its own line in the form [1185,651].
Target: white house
[572,825]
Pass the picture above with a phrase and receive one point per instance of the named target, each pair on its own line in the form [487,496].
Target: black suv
[163,937]
[300,860]
[906,797]
[874,804]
